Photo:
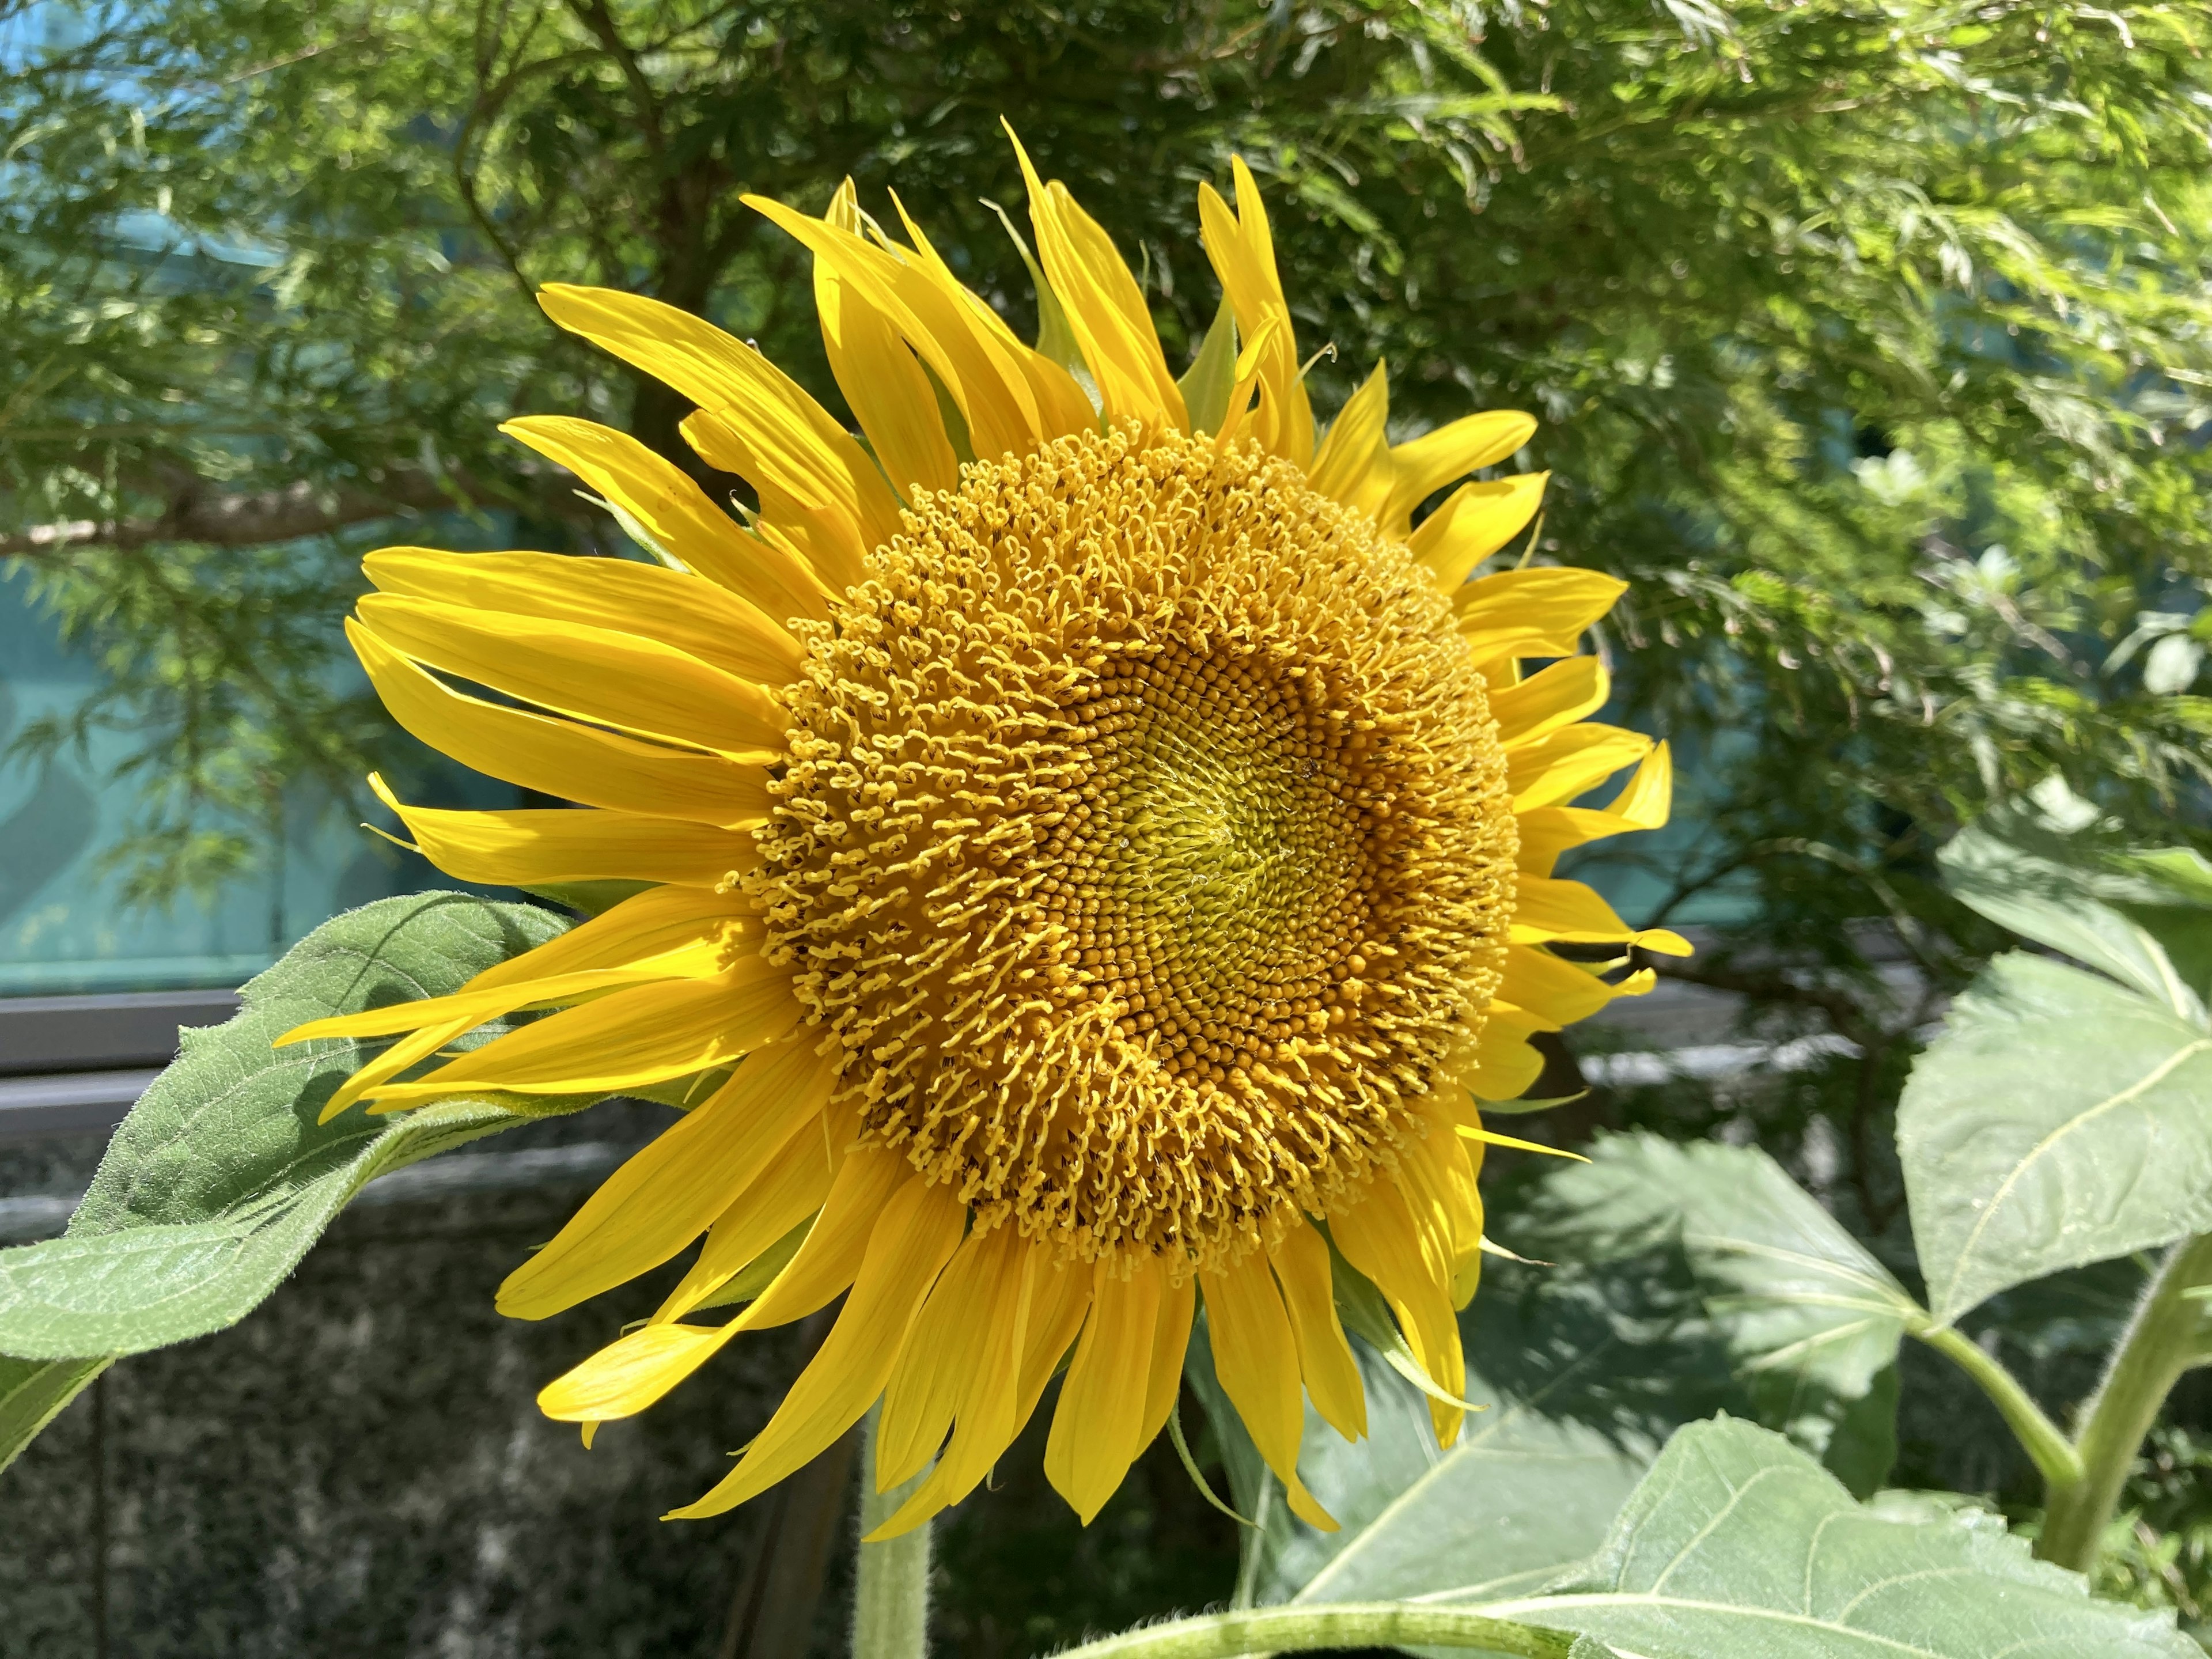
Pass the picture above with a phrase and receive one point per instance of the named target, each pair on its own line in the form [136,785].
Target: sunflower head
[1097,853]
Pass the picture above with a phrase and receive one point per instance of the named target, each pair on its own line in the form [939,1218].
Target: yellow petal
[1097,1428]
[988,1413]
[1062,406]
[645,929]
[1544,909]
[559,757]
[1353,463]
[1256,1359]
[670,1192]
[418,1045]
[1475,520]
[1554,696]
[782,441]
[1243,252]
[935,1368]
[1332,1376]
[625,1377]
[792,1186]
[1506,1068]
[917,1232]
[1170,1341]
[1491,1137]
[685,612]
[624,1039]
[1402,1240]
[629,1375]
[1538,613]
[1445,1166]
[1554,770]
[676,514]
[1641,804]
[663,935]
[889,394]
[1244,374]
[1057,1308]
[866,1179]
[981,368]
[1105,309]
[466,1010]
[990,393]
[634,684]
[534,848]
[1467,445]
[1544,984]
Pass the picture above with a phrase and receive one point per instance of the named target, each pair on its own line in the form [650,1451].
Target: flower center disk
[1144,849]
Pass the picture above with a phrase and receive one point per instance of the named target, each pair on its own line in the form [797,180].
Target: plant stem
[2054,1455]
[2168,1334]
[890,1599]
[1343,1625]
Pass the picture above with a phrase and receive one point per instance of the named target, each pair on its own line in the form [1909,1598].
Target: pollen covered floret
[1144,849]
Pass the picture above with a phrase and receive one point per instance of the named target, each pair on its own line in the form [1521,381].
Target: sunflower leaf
[1738,1545]
[1813,1321]
[1520,1497]
[1590,1369]
[221,1178]
[2060,1118]
[2144,917]
[33,1393]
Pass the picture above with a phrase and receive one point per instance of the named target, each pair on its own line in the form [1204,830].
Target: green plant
[2058,1120]
[1611,1500]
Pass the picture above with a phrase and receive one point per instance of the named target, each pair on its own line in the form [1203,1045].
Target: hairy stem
[2055,1456]
[890,1603]
[1344,1625]
[2169,1334]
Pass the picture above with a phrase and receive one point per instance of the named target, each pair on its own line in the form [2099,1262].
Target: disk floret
[1144,851]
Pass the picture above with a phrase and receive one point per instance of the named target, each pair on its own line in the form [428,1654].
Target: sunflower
[1089,850]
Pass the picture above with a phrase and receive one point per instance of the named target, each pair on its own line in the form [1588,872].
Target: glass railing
[63,927]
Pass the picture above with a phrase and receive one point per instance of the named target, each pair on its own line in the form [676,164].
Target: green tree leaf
[2060,1118]
[221,1178]
[1738,1545]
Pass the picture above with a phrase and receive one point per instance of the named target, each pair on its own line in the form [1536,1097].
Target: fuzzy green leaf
[2060,1118]
[221,1177]
[33,1393]
[1738,1545]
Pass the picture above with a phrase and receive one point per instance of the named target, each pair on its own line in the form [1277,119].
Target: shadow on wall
[43,835]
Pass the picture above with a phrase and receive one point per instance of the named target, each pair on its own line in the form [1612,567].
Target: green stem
[1344,1625]
[2055,1457]
[2169,1334]
[890,1600]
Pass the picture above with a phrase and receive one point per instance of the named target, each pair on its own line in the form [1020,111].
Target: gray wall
[359,1469]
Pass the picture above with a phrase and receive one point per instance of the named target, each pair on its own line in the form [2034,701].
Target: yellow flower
[1116,842]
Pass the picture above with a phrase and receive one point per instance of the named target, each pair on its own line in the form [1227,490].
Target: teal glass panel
[63,925]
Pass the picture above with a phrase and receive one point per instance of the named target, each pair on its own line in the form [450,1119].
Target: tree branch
[1845,1014]
[259,517]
